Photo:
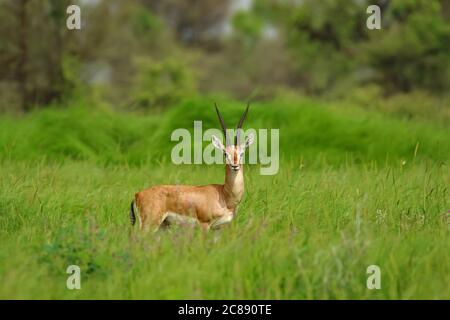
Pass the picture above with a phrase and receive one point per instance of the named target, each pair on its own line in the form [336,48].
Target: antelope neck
[234,186]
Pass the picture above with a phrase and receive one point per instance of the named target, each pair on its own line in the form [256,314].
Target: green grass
[354,189]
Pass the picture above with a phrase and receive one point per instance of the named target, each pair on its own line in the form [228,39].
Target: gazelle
[210,206]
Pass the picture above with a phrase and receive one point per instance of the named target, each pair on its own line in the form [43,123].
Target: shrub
[161,83]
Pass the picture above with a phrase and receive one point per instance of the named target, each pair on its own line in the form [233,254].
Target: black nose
[235,167]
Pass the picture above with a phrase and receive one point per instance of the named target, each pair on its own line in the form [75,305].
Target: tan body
[210,206]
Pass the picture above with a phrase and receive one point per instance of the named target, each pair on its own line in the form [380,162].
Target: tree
[195,22]
[33,50]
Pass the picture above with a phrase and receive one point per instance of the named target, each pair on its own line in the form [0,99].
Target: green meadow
[355,188]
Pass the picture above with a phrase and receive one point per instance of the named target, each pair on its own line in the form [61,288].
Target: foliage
[147,54]
[412,53]
[161,83]
[248,25]
[322,34]
[409,52]
[334,133]
[304,233]
[355,188]
[417,104]
[194,22]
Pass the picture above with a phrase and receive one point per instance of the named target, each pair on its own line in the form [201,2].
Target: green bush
[411,52]
[247,25]
[161,83]
[418,104]
[308,130]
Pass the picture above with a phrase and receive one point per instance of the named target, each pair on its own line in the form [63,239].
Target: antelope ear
[217,143]
[249,140]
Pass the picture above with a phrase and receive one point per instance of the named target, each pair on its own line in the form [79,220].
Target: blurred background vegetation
[149,55]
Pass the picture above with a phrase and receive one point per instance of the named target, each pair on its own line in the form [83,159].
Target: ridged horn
[239,127]
[222,123]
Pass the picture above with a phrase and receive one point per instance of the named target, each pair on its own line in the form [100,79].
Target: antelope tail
[132,214]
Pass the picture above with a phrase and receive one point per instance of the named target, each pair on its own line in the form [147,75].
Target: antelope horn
[239,127]
[222,123]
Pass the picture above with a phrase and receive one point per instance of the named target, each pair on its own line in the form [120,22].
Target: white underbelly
[221,221]
[180,219]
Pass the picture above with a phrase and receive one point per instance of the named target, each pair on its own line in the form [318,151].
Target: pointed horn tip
[243,117]
[222,123]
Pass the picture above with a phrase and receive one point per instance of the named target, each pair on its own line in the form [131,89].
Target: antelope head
[234,153]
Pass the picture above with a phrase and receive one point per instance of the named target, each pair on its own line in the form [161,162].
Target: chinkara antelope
[209,206]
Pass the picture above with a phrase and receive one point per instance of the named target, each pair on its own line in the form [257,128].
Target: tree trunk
[22,72]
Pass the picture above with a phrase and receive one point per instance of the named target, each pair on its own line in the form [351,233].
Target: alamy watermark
[374,20]
[374,280]
[73,21]
[74,280]
[257,152]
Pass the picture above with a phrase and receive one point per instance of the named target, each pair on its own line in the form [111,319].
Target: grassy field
[355,188]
